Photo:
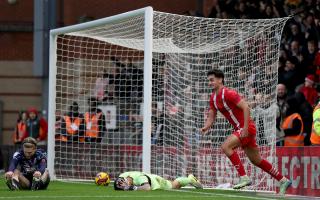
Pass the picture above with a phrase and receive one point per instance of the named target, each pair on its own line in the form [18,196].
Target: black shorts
[43,185]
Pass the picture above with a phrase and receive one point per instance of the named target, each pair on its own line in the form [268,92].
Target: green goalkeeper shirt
[139,178]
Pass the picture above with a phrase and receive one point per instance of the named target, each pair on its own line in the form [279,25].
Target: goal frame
[104,66]
[147,80]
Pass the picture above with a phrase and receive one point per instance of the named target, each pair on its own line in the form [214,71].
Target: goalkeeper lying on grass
[142,181]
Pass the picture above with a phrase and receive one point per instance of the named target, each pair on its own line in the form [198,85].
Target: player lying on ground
[27,168]
[236,110]
[142,181]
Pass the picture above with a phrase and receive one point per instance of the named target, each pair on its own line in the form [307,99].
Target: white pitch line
[103,196]
[226,195]
[267,196]
[203,195]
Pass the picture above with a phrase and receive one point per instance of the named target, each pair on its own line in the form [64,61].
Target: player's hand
[132,187]
[203,130]
[244,133]
[37,174]
[127,187]
[8,174]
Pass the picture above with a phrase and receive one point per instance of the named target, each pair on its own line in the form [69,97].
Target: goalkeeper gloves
[132,187]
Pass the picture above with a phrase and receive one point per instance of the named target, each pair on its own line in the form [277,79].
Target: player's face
[24,116]
[129,180]
[214,82]
[281,91]
[32,115]
[29,152]
[123,182]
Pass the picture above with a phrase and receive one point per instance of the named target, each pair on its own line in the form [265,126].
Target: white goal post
[138,79]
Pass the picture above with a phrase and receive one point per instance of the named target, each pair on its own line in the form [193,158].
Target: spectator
[94,122]
[293,126]
[95,128]
[295,34]
[109,90]
[20,132]
[37,127]
[296,52]
[288,75]
[309,57]
[309,92]
[72,125]
[100,87]
[270,12]
[282,107]
[309,27]
[129,82]
[315,135]
[157,124]
[316,63]
[305,111]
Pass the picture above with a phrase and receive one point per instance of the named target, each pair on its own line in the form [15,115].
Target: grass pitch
[89,191]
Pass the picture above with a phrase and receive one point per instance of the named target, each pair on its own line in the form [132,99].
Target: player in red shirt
[237,112]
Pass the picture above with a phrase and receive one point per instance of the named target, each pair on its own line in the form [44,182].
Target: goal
[145,73]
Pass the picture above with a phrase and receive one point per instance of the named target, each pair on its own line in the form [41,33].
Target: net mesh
[100,72]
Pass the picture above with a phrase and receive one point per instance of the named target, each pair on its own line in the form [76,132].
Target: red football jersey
[226,102]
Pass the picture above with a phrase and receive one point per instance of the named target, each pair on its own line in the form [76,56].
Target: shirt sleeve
[14,162]
[42,162]
[42,165]
[233,97]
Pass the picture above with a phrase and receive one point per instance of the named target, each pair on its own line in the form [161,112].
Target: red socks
[235,160]
[264,165]
[267,167]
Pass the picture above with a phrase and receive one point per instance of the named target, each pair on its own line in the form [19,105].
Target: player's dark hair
[29,142]
[217,73]
[117,182]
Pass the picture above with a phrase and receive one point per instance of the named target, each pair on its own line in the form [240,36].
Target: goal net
[138,113]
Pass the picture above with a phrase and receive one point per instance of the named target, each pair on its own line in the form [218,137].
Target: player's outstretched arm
[126,184]
[145,187]
[209,122]
[243,105]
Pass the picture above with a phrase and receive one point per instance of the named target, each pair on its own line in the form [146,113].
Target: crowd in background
[74,126]
[298,90]
[30,124]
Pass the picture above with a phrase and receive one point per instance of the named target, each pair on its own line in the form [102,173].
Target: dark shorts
[43,185]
